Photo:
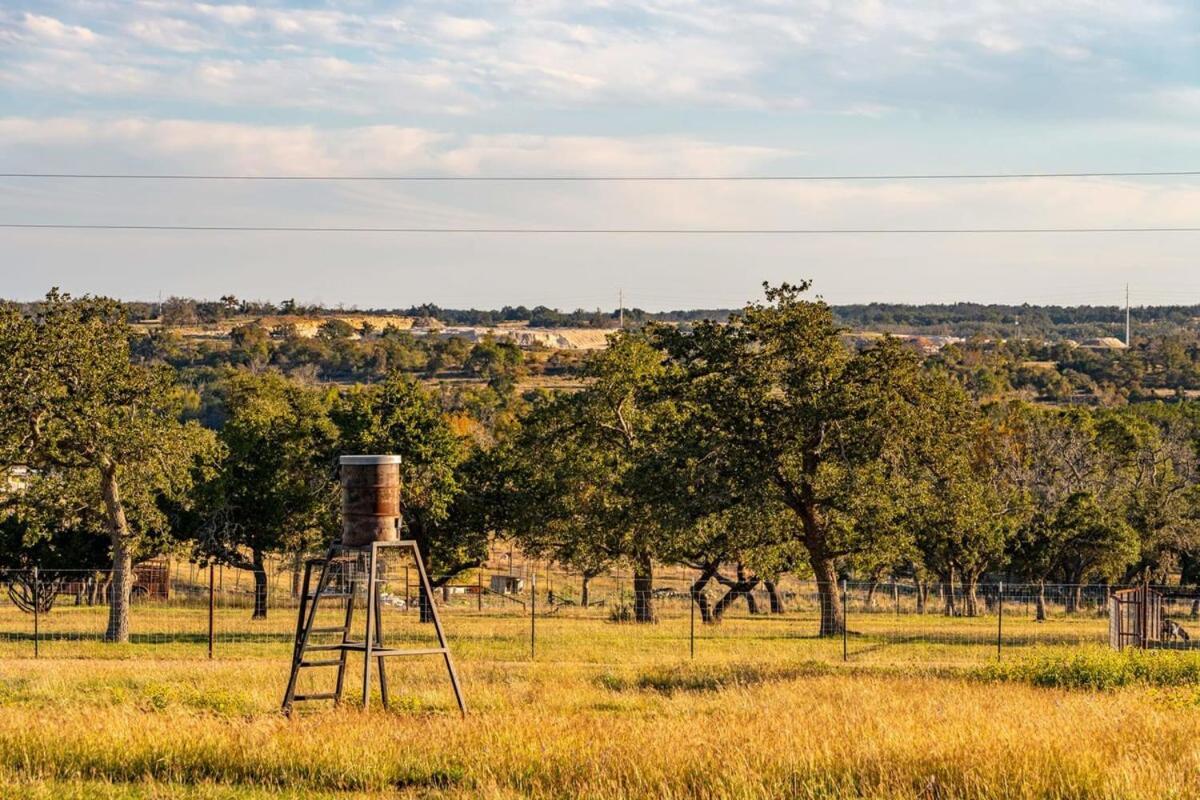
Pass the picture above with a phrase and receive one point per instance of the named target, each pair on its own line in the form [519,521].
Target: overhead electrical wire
[590,231]
[594,178]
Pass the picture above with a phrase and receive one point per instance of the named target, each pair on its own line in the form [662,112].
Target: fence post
[1144,611]
[692,626]
[845,621]
[999,618]
[212,606]
[532,616]
[479,592]
[37,601]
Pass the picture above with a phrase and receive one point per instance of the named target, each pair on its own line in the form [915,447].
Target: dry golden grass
[606,711]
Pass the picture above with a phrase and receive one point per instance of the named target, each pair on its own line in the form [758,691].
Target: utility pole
[621,306]
[1127,342]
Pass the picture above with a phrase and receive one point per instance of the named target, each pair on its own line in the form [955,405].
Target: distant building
[923,344]
[507,584]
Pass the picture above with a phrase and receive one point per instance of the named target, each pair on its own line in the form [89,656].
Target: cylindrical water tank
[370,499]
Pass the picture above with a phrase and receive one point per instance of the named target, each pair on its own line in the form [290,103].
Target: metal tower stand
[333,584]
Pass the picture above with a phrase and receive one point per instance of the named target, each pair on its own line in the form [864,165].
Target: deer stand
[338,580]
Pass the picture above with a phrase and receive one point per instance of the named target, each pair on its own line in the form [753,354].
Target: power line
[590,231]
[593,178]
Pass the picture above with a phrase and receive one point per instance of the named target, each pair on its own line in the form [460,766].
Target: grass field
[605,710]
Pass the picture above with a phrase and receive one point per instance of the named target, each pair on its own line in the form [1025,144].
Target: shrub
[710,677]
[621,612]
[1100,669]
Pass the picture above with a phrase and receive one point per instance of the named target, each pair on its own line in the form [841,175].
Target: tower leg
[301,618]
[369,633]
[383,683]
[437,624]
[349,585]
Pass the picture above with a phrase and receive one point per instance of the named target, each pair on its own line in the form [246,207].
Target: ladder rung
[321,696]
[341,646]
[333,662]
[386,651]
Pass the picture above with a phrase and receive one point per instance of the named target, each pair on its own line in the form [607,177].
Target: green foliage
[334,330]
[782,405]
[571,489]
[439,472]
[1099,670]
[250,344]
[710,677]
[500,363]
[74,403]
[55,523]
[276,486]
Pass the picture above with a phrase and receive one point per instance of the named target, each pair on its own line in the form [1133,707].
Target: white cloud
[190,146]
[57,32]
[186,146]
[463,28]
[998,41]
[229,14]
[382,60]
[171,34]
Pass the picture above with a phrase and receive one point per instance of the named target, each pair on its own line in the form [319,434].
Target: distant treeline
[1005,321]
[188,311]
[952,319]
[544,317]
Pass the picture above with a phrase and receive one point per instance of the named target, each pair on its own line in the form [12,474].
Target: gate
[1134,617]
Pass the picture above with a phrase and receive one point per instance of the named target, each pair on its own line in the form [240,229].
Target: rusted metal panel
[370,499]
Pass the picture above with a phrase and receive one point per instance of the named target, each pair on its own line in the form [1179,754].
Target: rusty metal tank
[370,499]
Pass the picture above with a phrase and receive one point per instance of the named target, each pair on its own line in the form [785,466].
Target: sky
[589,88]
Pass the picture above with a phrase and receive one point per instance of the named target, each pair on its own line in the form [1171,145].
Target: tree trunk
[947,587]
[1074,599]
[1196,609]
[260,586]
[122,558]
[643,590]
[751,601]
[1041,602]
[96,590]
[700,597]
[297,568]
[742,587]
[922,592]
[971,595]
[774,596]
[832,621]
[585,591]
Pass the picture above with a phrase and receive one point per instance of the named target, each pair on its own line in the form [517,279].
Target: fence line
[197,615]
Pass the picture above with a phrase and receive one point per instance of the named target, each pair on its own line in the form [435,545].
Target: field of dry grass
[764,710]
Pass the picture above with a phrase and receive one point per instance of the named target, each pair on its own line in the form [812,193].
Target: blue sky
[602,88]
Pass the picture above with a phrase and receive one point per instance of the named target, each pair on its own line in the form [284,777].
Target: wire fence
[184,611]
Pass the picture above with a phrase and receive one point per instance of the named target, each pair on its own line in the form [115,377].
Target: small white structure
[507,584]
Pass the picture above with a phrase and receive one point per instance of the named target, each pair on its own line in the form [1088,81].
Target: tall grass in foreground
[721,728]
